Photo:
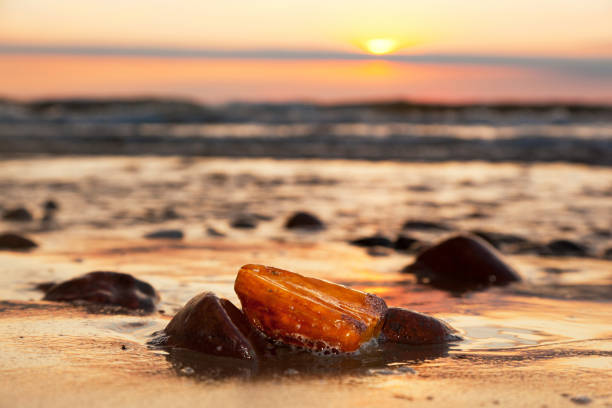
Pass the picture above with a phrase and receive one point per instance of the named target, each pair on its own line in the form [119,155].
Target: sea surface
[401,131]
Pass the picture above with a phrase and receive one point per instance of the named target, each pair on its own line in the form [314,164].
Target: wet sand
[538,343]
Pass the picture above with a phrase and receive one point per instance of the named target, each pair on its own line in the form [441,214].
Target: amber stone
[215,326]
[308,312]
[408,327]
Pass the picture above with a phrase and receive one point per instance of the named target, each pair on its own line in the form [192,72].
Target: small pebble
[170,213]
[564,247]
[559,270]
[166,234]
[420,188]
[407,327]
[304,220]
[405,243]
[373,241]
[50,205]
[244,222]
[581,400]
[19,214]
[15,242]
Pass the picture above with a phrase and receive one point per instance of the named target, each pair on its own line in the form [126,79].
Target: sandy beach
[543,342]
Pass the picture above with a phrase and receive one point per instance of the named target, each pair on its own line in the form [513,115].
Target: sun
[380,46]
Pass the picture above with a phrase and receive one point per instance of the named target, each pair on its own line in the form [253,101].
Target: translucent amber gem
[308,312]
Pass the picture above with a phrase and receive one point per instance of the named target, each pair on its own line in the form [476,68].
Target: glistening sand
[538,343]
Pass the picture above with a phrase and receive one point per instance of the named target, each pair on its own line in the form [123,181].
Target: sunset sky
[565,37]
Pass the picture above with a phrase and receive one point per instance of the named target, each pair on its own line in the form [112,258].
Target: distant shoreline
[93,102]
[176,110]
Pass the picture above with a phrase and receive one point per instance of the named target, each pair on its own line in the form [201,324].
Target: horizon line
[285,54]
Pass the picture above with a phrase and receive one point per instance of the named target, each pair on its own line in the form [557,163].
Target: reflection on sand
[387,359]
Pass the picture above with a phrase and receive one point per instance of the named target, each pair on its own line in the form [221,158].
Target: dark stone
[408,327]
[604,233]
[150,215]
[375,240]
[15,242]
[106,288]
[425,226]
[564,247]
[477,215]
[244,222]
[212,325]
[420,188]
[581,400]
[17,214]
[170,213]
[607,254]
[166,234]
[558,270]
[50,205]
[405,243]
[313,180]
[304,220]
[462,262]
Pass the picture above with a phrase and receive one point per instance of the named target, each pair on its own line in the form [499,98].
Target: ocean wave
[384,131]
